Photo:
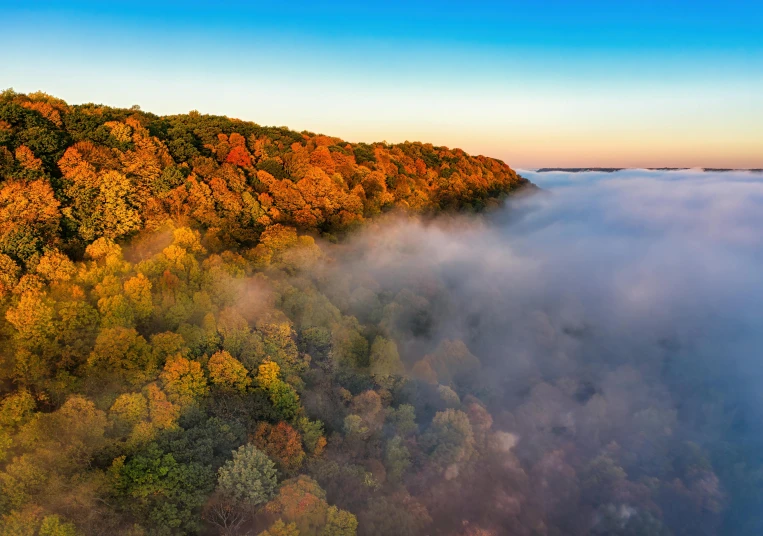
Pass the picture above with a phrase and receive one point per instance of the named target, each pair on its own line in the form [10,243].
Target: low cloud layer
[617,316]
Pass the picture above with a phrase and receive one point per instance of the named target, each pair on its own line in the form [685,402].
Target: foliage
[302,501]
[184,379]
[162,492]
[281,443]
[226,372]
[249,478]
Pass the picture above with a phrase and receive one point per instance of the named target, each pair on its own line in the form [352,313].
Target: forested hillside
[212,327]
[74,174]
[162,333]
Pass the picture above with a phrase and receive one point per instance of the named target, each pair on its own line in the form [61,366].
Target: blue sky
[535,83]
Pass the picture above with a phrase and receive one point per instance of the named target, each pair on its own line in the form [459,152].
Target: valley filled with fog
[617,321]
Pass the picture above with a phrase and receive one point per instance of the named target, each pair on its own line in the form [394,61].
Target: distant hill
[578,170]
[612,170]
[754,170]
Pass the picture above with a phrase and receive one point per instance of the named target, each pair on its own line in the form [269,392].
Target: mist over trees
[212,327]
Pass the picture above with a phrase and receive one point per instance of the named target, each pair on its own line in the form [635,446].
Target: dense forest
[192,341]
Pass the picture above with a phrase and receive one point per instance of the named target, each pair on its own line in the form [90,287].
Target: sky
[541,83]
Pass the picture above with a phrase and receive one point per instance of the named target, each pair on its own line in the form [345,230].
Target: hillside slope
[90,171]
[178,355]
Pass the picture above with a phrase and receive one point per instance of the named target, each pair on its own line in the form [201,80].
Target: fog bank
[617,317]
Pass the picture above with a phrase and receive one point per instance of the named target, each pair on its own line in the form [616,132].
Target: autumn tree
[29,218]
[227,372]
[184,380]
[122,353]
[279,528]
[282,444]
[302,501]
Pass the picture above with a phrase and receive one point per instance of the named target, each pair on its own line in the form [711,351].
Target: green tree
[161,492]
[385,362]
[397,458]
[402,420]
[449,439]
[249,479]
[285,400]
